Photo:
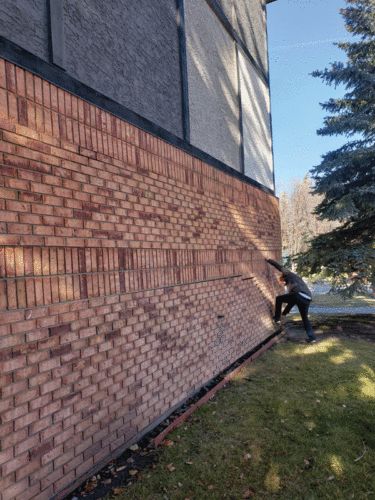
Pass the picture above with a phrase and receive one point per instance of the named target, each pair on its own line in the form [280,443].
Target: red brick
[2,74]
[9,240]
[60,330]
[26,445]
[15,463]
[17,489]
[7,455]
[10,77]
[3,104]
[41,450]
[16,206]
[65,481]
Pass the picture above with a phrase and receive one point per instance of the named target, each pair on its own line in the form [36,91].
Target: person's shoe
[276,320]
[312,341]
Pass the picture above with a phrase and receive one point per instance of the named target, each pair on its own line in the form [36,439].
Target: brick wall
[118,252]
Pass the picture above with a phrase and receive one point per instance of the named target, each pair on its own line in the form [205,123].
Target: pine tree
[346,177]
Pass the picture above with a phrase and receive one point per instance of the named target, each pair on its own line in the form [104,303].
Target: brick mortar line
[91,273]
[52,304]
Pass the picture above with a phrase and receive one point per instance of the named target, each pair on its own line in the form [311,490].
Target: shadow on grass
[291,425]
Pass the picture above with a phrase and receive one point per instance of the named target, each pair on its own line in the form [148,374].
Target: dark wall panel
[25,22]
[129,51]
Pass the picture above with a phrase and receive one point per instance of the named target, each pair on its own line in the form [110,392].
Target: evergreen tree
[346,177]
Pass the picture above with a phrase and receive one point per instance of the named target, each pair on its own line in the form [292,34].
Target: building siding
[128,51]
[256,117]
[213,84]
[118,252]
[26,23]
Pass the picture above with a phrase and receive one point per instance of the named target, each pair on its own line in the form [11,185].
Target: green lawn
[291,425]
[336,300]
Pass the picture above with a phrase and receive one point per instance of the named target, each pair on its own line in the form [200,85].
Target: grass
[289,426]
[336,300]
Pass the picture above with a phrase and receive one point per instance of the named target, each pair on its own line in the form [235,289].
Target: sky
[300,40]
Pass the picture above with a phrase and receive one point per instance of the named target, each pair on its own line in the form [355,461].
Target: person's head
[282,280]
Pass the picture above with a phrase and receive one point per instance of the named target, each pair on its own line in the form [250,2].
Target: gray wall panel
[26,23]
[257,140]
[129,51]
[251,25]
[227,7]
[213,84]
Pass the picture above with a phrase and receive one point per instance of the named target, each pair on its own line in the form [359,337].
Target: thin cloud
[308,44]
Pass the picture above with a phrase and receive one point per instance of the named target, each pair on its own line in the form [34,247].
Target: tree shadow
[225,89]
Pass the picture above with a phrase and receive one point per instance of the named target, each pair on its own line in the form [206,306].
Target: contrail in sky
[308,44]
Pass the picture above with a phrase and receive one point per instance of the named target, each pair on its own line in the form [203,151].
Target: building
[137,208]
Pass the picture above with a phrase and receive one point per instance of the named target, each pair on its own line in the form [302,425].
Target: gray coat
[294,284]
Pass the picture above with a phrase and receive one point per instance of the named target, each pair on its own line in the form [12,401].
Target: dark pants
[292,300]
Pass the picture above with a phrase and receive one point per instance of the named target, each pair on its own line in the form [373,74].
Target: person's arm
[277,265]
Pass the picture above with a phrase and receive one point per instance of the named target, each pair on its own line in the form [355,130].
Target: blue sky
[300,40]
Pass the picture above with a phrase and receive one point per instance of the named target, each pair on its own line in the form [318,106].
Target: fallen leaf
[117,491]
[306,462]
[247,456]
[153,466]
[133,472]
[189,463]
[121,468]
[180,485]
[282,421]
[169,443]
[246,494]
[314,449]
[330,478]
[134,447]
[171,468]
[318,401]
[210,487]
